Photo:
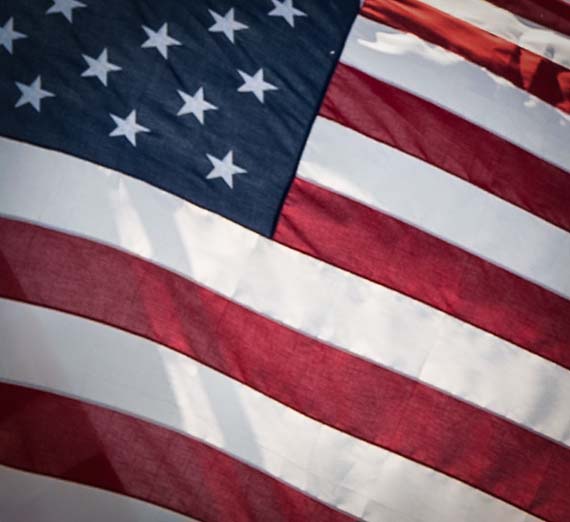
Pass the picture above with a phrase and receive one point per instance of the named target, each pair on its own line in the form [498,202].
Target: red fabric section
[543,502]
[554,14]
[72,440]
[383,249]
[85,278]
[529,71]
[430,133]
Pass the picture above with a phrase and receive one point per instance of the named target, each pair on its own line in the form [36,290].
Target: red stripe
[72,440]
[430,133]
[383,249]
[554,14]
[529,71]
[85,278]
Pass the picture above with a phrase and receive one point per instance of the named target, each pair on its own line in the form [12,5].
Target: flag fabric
[275,260]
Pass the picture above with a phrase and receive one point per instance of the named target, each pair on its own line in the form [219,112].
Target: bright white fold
[502,23]
[96,363]
[317,299]
[445,206]
[27,497]
[466,89]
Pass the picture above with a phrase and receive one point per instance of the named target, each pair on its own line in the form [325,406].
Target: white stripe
[529,35]
[461,87]
[445,206]
[27,497]
[299,291]
[90,361]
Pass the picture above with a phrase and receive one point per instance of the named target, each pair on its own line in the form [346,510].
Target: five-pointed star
[99,67]
[286,10]
[195,105]
[128,127]
[226,24]
[159,39]
[32,94]
[8,35]
[65,7]
[255,84]
[225,168]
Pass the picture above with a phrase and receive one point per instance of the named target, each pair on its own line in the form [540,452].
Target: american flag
[285,260]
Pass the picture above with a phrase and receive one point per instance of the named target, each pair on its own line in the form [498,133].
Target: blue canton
[211,100]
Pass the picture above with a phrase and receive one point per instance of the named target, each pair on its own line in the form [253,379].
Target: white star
[128,127]
[286,10]
[226,24]
[32,94]
[99,67]
[8,35]
[65,7]
[159,39]
[225,169]
[256,84]
[195,105]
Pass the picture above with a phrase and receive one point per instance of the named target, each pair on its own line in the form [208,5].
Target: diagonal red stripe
[430,133]
[547,80]
[378,247]
[88,279]
[554,14]
[72,440]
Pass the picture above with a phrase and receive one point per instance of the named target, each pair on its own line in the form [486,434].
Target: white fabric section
[87,360]
[450,81]
[443,205]
[515,29]
[317,299]
[27,497]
